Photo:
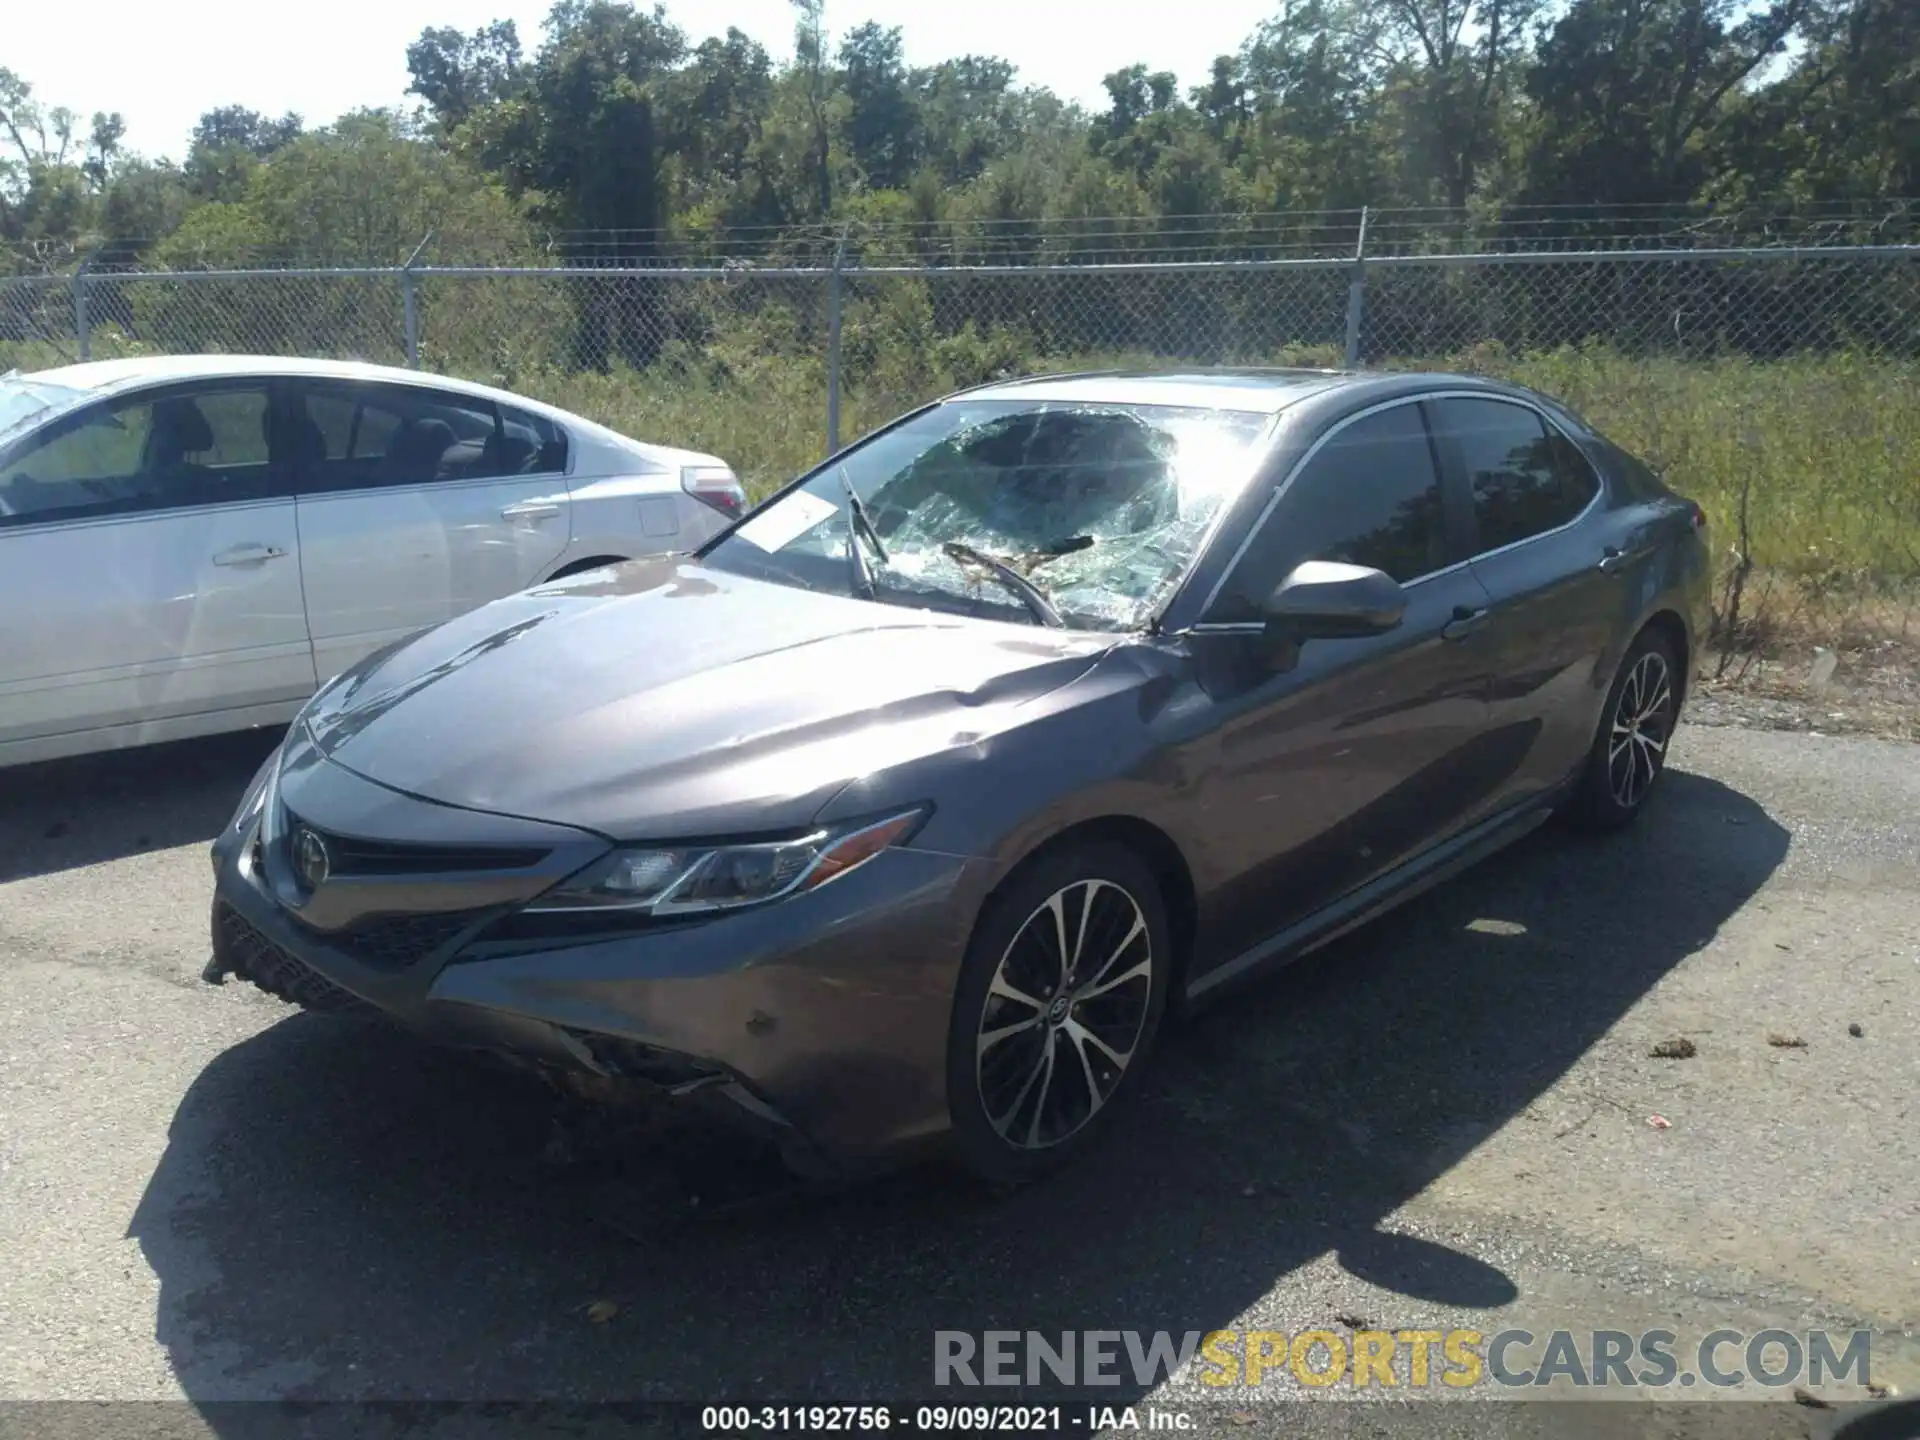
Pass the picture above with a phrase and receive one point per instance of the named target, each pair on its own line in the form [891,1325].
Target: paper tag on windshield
[779,525]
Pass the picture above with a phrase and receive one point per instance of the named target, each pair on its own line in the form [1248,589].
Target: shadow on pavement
[341,1214]
[93,808]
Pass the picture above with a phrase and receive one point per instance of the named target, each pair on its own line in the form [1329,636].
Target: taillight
[1698,516]
[717,486]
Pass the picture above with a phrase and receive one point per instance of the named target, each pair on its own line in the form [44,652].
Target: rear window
[353,437]
[1527,477]
[530,444]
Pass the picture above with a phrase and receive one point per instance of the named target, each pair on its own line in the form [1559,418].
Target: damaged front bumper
[820,1020]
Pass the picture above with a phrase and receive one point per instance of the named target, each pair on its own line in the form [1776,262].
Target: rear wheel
[1059,999]
[1629,753]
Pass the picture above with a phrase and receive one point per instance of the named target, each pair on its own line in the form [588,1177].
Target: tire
[1045,1082]
[1629,753]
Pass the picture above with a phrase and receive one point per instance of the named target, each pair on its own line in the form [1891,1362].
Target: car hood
[663,700]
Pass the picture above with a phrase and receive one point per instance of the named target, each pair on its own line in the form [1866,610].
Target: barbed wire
[1252,236]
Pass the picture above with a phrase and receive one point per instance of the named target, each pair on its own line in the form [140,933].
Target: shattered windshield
[1097,507]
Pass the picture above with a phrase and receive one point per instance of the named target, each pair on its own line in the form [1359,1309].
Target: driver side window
[1369,496]
[143,452]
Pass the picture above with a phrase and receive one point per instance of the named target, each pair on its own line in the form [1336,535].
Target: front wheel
[1629,753]
[1059,999]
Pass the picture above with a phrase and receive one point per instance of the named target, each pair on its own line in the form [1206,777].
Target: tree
[1843,123]
[883,119]
[144,202]
[228,142]
[1625,89]
[712,112]
[103,147]
[236,127]
[715,105]
[43,198]
[1453,65]
[459,75]
[578,140]
[1225,101]
[36,134]
[363,191]
[814,85]
[969,115]
[1316,113]
[1135,93]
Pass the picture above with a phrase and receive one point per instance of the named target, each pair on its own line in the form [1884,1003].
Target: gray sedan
[904,811]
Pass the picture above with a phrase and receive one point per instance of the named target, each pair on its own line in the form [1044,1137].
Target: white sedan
[192,544]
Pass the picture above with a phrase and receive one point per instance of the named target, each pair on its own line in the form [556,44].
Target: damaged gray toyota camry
[904,810]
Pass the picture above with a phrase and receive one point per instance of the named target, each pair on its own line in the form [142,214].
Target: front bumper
[824,1015]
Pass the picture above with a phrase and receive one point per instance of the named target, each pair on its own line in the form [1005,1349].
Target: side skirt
[1373,899]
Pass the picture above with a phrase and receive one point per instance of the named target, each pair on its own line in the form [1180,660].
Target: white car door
[415,505]
[149,573]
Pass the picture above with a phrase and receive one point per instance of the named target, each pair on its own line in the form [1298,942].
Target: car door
[149,570]
[1339,758]
[415,505]
[1551,604]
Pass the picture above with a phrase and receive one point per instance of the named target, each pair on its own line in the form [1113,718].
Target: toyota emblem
[310,859]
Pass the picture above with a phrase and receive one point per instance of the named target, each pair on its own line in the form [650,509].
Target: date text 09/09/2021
[1053,1419]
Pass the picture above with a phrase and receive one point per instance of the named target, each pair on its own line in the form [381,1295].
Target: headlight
[251,803]
[256,795]
[688,880]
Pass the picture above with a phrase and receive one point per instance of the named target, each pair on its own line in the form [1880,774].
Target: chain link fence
[909,330]
[1779,384]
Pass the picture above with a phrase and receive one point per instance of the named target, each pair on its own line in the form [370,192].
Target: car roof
[102,376]
[1263,391]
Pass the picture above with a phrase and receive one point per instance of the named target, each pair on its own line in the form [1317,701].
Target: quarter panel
[635,515]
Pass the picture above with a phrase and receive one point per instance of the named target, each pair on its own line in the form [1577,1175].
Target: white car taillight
[715,485]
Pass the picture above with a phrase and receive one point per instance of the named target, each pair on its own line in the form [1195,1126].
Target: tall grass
[1828,448]
[1825,447]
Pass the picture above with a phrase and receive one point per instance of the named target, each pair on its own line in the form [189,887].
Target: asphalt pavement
[1446,1119]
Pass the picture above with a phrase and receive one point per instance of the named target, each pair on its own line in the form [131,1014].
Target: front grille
[251,955]
[393,942]
[353,855]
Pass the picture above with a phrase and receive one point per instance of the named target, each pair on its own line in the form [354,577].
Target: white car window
[531,444]
[369,436]
[147,451]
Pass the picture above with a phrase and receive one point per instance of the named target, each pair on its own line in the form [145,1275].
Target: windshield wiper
[1035,598]
[857,521]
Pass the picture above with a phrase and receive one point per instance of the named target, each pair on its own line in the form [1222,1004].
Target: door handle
[530,510]
[248,555]
[1613,559]
[1465,621]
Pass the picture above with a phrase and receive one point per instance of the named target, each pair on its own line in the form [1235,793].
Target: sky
[162,63]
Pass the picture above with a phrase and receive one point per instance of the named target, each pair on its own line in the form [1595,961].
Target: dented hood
[663,700]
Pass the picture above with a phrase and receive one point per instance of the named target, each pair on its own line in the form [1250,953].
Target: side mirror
[1332,600]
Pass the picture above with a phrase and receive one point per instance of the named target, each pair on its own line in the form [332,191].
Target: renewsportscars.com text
[1410,1359]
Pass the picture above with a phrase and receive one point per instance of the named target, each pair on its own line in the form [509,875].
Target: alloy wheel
[1642,725]
[1064,1014]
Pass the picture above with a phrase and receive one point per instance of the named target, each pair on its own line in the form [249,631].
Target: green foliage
[364,191]
[612,139]
[612,123]
[1828,445]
